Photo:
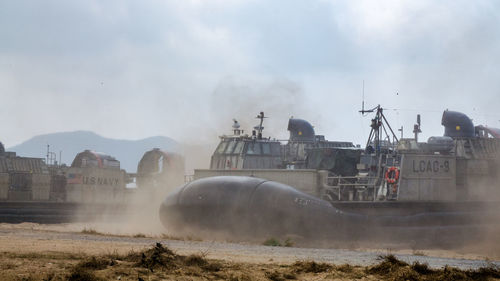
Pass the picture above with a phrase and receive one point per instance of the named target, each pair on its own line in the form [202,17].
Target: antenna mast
[51,156]
[378,125]
[363,102]
[363,111]
[416,128]
[260,128]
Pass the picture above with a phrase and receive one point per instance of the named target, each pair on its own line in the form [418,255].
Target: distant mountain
[128,152]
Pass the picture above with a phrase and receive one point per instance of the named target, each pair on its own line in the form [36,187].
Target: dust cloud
[242,99]
[135,211]
[232,98]
[487,191]
[467,230]
[278,98]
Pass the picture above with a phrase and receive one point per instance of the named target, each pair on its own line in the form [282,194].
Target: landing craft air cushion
[410,188]
[35,190]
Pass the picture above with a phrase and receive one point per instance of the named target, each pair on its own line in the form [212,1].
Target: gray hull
[253,207]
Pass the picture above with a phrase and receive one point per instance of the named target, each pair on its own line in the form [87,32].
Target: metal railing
[340,185]
[188,178]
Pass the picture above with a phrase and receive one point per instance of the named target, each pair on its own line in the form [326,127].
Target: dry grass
[390,268]
[161,263]
[179,238]
[418,253]
[91,231]
[310,267]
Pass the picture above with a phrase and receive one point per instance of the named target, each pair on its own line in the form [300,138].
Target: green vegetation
[272,242]
[276,243]
[90,231]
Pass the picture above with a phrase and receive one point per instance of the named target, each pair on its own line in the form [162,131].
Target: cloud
[130,69]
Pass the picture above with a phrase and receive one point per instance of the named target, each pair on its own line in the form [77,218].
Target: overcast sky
[184,69]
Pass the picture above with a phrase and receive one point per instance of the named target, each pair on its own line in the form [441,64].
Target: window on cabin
[239,147]
[253,148]
[230,147]
[266,148]
[221,147]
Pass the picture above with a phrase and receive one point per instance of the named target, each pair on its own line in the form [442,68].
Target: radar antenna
[260,128]
[416,128]
[51,157]
[236,128]
[378,128]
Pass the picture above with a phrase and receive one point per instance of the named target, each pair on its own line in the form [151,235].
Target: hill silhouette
[128,152]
